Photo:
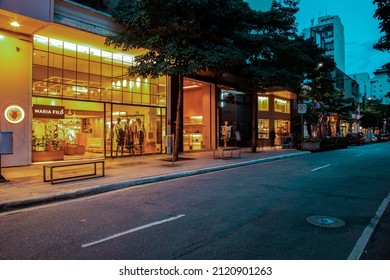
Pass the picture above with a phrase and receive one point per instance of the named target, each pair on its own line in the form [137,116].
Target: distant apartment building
[329,34]
[380,86]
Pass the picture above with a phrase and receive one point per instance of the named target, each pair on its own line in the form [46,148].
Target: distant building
[329,34]
[380,86]
[363,79]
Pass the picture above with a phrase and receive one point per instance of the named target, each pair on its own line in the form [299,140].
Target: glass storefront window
[134,130]
[65,129]
[282,106]
[70,66]
[263,103]
[263,128]
[282,128]
[83,129]
[196,115]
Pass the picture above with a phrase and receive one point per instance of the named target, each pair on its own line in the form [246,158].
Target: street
[254,212]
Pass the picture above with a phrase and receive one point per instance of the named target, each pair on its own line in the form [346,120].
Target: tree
[180,38]
[382,13]
[376,115]
[267,43]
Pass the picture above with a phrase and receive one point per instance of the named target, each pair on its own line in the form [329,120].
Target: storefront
[85,104]
[198,115]
[234,117]
[274,117]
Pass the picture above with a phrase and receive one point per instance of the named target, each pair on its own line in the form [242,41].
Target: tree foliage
[375,115]
[267,44]
[382,13]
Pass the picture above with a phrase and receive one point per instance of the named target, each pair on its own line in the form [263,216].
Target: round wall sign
[14,114]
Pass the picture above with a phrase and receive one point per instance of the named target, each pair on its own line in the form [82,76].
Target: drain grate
[324,221]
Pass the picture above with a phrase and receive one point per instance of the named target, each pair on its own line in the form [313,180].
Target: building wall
[329,34]
[380,86]
[39,9]
[15,89]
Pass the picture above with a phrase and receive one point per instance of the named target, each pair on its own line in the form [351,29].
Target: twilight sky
[361,29]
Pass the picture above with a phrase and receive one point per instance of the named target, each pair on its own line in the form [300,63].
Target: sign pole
[302,110]
[302,131]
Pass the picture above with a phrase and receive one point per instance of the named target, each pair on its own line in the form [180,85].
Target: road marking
[318,168]
[366,235]
[132,230]
[358,155]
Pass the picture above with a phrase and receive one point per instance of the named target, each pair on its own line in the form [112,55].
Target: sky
[361,29]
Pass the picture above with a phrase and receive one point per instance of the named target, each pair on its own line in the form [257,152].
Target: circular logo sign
[14,114]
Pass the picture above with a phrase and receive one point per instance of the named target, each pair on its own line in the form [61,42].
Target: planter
[47,156]
[311,146]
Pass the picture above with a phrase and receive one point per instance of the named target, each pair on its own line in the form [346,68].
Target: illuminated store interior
[104,111]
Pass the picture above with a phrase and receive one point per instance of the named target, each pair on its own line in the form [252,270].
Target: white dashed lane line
[132,230]
[321,167]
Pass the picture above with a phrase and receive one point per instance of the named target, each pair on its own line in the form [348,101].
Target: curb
[13,205]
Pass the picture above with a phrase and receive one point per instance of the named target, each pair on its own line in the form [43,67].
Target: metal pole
[302,130]
[173,149]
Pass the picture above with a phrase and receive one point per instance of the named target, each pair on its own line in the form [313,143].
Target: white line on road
[133,230]
[366,235]
[318,168]
[358,155]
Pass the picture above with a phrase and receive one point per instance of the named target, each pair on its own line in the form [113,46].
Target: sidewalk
[26,187]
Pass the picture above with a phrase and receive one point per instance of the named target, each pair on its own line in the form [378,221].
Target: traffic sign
[302,108]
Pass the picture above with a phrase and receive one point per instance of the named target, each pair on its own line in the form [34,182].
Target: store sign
[14,114]
[48,112]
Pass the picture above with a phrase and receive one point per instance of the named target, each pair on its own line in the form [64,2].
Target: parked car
[355,138]
[383,137]
[370,138]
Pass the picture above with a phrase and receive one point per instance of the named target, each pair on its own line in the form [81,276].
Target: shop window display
[282,129]
[282,106]
[78,133]
[263,128]
[133,130]
[263,103]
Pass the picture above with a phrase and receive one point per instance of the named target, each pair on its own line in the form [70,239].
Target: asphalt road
[252,212]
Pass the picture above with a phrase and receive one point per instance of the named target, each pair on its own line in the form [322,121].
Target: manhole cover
[324,221]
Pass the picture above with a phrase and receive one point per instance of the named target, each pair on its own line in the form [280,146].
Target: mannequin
[119,136]
[225,134]
[129,136]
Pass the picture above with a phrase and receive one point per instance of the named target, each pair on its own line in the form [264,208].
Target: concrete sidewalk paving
[26,187]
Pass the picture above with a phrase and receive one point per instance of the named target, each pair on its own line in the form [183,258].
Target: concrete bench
[227,152]
[73,173]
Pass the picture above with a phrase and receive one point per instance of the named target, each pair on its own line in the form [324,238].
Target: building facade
[328,33]
[65,95]
[73,92]
[380,86]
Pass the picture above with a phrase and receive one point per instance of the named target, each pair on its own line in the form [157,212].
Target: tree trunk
[254,122]
[178,119]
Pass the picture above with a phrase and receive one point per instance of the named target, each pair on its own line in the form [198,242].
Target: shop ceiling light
[15,23]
